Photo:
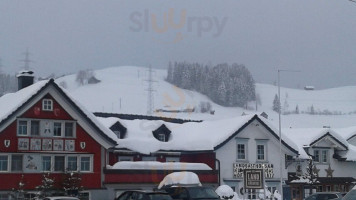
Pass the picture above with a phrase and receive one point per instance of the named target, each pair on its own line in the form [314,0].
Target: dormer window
[162,133]
[162,137]
[47,105]
[119,130]
[117,133]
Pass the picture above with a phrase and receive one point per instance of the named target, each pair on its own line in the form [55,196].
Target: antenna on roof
[150,89]
[26,60]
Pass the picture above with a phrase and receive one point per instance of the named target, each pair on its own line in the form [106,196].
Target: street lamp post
[279,129]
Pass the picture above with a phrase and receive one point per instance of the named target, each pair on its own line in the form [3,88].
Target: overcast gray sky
[317,37]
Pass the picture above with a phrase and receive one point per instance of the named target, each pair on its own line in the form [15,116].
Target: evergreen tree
[19,192]
[72,183]
[310,175]
[170,73]
[297,110]
[312,111]
[276,105]
[47,185]
[222,94]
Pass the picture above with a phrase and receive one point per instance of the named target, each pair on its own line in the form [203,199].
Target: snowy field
[123,90]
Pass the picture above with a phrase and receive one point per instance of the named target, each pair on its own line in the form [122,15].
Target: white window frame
[326,156]
[91,164]
[51,163]
[73,129]
[62,131]
[67,163]
[47,105]
[264,143]
[243,141]
[27,127]
[161,137]
[264,152]
[54,163]
[41,126]
[78,156]
[237,151]
[317,151]
[30,127]
[8,163]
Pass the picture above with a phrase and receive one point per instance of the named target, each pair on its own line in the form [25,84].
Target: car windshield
[202,193]
[350,196]
[159,197]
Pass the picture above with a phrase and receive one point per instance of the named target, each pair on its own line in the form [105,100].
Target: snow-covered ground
[123,90]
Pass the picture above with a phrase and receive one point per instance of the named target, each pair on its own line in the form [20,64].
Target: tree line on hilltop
[224,84]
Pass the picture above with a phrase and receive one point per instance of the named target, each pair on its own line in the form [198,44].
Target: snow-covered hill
[123,90]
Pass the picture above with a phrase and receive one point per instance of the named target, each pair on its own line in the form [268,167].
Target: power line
[27,60]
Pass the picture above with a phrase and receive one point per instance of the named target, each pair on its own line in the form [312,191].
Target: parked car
[60,198]
[351,195]
[144,195]
[325,196]
[191,192]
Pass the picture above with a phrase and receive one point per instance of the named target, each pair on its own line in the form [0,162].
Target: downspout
[218,161]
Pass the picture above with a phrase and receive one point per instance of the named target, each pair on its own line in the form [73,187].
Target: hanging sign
[253,179]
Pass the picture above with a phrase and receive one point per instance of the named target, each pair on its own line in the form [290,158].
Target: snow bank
[154,165]
[225,192]
[180,178]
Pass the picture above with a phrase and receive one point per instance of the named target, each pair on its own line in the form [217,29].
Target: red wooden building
[43,130]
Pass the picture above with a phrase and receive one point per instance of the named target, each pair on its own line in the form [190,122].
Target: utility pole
[150,89]
[280,130]
[26,60]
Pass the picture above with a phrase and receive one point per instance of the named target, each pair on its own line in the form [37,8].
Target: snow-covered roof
[347,133]
[159,165]
[350,154]
[305,137]
[12,102]
[190,136]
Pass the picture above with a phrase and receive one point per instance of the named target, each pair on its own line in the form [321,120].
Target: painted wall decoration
[57,145]
[35,144]
[7,143]
[32,163]
[23,144]
[239,169]
[69,145]
[37,110]
[47,144]
[46,128]
[82,145]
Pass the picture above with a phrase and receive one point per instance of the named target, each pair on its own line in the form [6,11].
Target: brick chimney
[24,78]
